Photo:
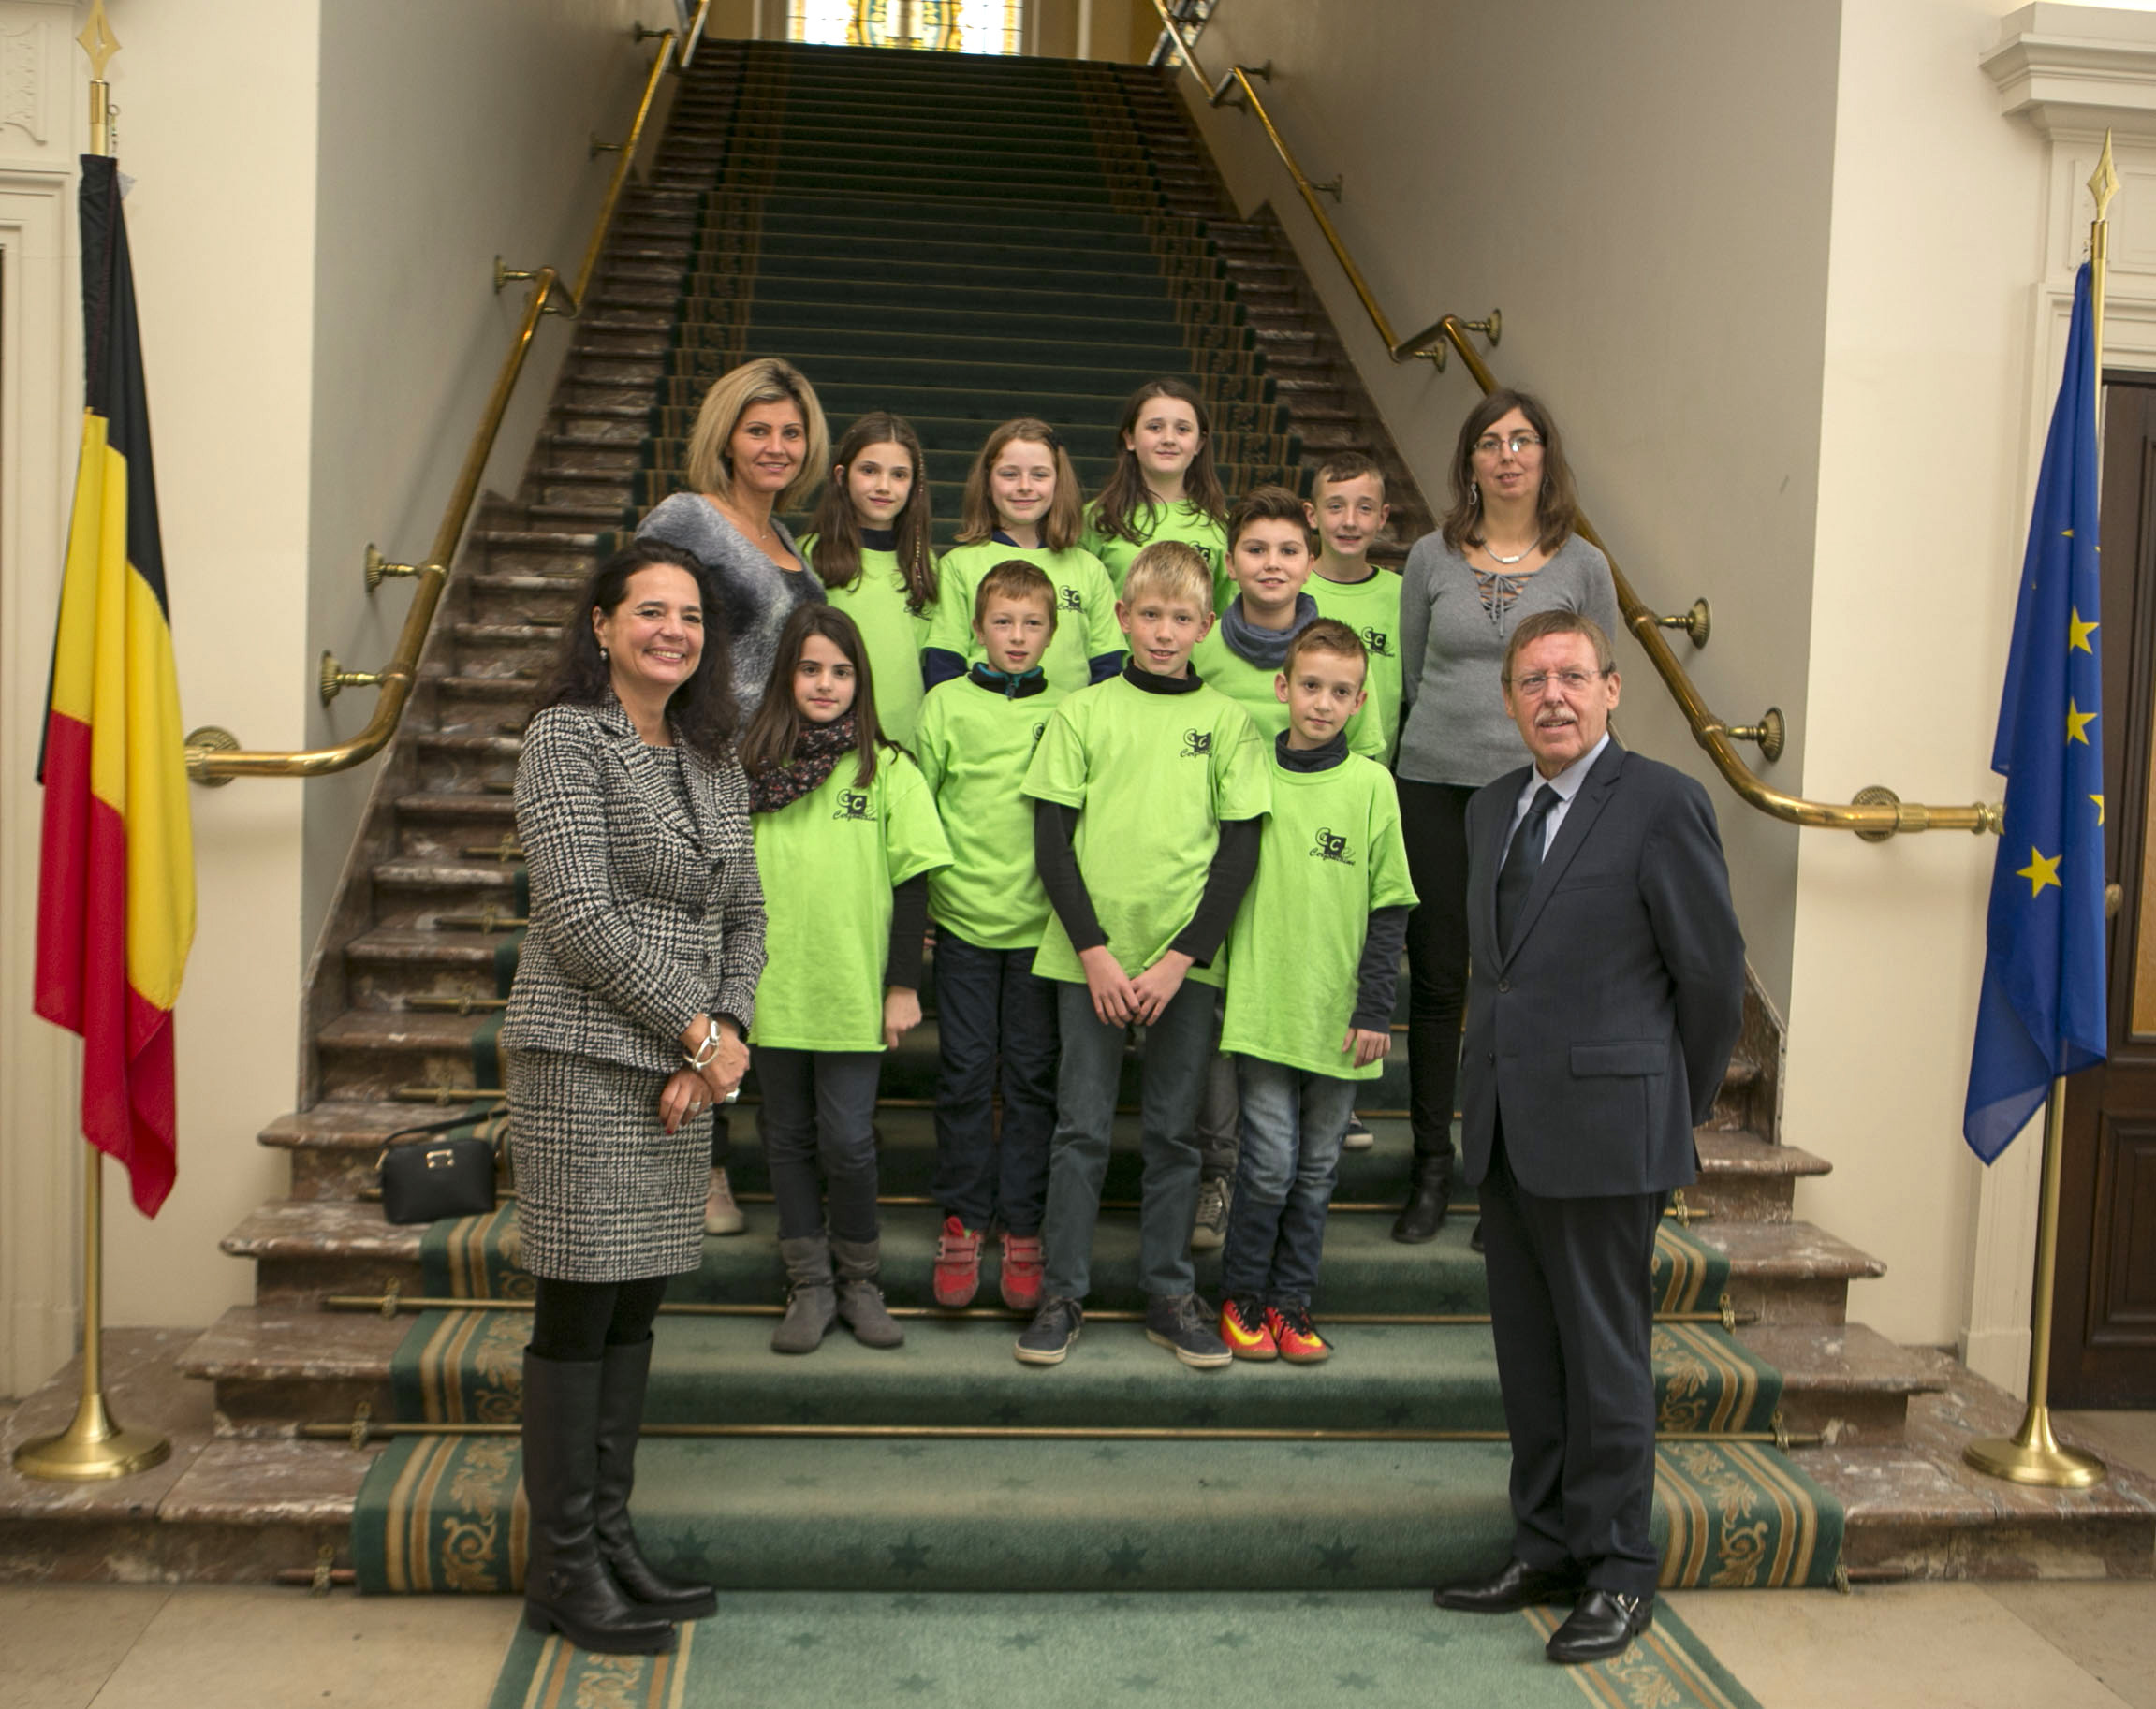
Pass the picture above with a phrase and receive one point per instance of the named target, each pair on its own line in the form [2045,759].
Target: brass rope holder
[1771,733]
[334,679]
[324,1562]
[457,1004]
[1726,1312]
[599,147]
[505,851]
[1697,623]
[390,1296]
[212,738]
[378,569]
[362,1424]
[446,1095]
[488,922]
[507,276]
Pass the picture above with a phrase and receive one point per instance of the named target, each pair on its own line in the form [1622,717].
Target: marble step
[1782,1272]
[272,1367]
[247,1507]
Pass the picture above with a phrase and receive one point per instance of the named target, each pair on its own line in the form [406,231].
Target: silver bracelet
[702,1057]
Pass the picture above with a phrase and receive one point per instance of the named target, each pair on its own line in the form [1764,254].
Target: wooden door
[2104,1320]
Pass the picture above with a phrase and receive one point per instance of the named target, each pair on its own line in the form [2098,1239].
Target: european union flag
[2042,1011]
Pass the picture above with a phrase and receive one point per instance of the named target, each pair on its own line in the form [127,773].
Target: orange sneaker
[1296,1336]
[1020,1272]
[957,1273]
[1247,1330]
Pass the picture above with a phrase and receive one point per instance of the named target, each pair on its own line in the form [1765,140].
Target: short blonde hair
[1169,569]
[733,394]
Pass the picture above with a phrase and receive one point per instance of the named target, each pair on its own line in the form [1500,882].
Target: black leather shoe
[1429,1195]
[1474,1239]
[1602,1624]
[1517,1585]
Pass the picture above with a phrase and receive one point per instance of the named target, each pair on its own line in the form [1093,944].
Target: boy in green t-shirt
[1149,790]
[973,740]
[1312,961]
[1348,511]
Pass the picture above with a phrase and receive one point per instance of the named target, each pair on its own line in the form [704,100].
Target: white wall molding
[2077,68]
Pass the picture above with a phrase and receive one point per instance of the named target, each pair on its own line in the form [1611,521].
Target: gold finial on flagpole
[2032,1455]
[100,44]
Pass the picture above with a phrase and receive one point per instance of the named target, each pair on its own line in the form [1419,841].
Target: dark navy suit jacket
[1603,1031]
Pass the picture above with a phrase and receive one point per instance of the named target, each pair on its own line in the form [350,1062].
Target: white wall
[1643,190]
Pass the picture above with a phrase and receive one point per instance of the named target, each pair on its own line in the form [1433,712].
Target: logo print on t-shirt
[1039,731]
[1330,845]
[1378,641]
[1067,598]
[1197,744]
[853,804]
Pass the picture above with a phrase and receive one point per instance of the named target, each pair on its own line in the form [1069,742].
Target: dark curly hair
[702,710]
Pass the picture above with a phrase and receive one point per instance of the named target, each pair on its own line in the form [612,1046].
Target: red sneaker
[1021,1271]
[1247,1330]
[958,1271]
[1296,1336]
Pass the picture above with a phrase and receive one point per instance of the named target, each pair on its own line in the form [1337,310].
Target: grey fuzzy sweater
[757,595]
[1454,728]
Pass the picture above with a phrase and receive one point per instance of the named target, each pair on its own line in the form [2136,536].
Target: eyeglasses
[1570,681]
[1489,444]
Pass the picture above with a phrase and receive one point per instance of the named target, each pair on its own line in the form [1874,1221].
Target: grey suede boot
[811,1303]
[861,1301]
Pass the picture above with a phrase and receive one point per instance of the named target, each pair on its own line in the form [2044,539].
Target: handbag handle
[427,1128]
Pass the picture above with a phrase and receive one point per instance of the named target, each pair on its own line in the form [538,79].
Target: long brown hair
[701,710]
[775,726]
[837,555]
[1557,506]
[1065,518]
[1116,511]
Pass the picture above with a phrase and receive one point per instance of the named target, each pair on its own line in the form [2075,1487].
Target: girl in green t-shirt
[846,834]
[1164,488]
[1021,501]
[869,549]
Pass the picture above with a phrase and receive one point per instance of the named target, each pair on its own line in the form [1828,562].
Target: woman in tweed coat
[634,993]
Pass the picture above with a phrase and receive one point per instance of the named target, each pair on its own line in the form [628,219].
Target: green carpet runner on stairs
[793,1650]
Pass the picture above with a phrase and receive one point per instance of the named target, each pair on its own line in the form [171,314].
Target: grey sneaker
[1182,1323]
[1209,1227]
[1053,1331]
[1357,1137]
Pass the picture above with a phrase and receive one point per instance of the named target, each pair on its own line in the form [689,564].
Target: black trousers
[1433,825]
[1572,1309]
[580,1321]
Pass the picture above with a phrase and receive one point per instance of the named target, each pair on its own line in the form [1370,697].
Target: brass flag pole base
[2033,1456]
[93,1446]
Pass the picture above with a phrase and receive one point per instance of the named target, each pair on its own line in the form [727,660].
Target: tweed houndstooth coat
[646,911]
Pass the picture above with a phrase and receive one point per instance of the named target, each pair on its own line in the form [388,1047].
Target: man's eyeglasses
[1570,681]
[1489,444]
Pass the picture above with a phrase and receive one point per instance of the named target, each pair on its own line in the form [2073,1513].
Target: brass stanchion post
[93,1446]
[2032,1455]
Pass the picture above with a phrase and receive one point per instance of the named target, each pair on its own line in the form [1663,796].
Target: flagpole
[94,1445]
[2032,1455]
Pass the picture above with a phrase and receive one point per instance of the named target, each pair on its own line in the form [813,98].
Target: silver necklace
[1490,551]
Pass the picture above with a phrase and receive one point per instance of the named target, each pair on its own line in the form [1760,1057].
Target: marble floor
[1900,1647]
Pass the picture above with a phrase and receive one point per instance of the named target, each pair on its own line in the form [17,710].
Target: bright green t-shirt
[1250,686]
[894,637]
[829,863]
[1086,628]
[1330,853]
[1184,521]
[974,744]
[1153,777]
[1371,607]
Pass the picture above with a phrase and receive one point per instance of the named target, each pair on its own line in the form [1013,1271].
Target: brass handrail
[1878,813]
[213,758]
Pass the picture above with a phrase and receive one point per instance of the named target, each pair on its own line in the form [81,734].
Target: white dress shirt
[1565,782]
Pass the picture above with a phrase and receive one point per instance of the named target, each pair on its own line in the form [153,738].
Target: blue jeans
[991,1004]
[1292,1124]
[819,1108]
[1178,1052]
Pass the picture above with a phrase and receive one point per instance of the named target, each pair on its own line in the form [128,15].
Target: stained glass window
[960,26]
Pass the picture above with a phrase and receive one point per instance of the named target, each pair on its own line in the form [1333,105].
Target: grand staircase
[959,240]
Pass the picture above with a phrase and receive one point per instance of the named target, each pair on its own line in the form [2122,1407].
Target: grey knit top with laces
[1454,622]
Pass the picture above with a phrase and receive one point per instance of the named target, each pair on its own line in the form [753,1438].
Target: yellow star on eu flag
[2077,633]
[2078,722]
[2099,800]
[2039,871]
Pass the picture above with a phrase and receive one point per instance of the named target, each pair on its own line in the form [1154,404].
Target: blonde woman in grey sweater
[1504,549]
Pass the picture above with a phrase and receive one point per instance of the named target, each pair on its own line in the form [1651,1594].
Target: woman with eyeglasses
[1507,548]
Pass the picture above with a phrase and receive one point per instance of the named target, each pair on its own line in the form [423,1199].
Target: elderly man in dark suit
[1605,996]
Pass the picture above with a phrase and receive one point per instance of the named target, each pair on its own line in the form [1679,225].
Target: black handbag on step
[425,1177]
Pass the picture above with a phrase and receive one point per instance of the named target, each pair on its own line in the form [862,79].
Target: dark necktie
[1522,861]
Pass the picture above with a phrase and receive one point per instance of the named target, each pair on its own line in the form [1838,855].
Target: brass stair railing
[215,755]
[1877,812]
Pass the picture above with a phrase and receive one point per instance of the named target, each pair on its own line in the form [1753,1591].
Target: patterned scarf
[816,750]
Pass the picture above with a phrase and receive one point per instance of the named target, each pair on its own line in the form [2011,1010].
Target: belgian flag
[116,883]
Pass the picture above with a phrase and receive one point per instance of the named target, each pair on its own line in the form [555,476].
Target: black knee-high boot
[567,1588]
[625,1370]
